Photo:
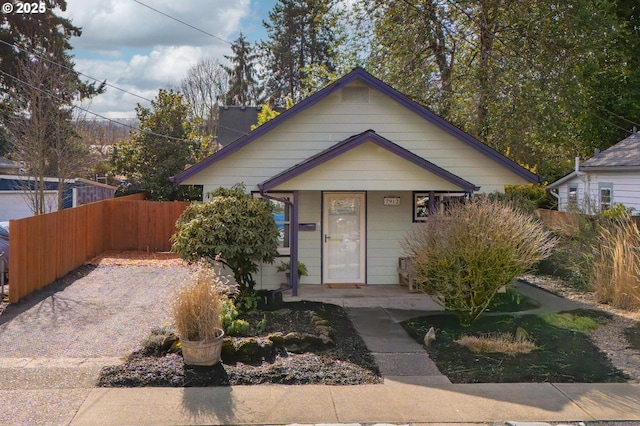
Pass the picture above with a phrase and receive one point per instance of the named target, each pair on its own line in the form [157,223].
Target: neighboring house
[354,168]
[8,167]
[611,176]
[15,198]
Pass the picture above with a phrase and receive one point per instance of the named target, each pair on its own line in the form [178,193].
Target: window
[573,196]
[426,203]
[282,217]
[606,195]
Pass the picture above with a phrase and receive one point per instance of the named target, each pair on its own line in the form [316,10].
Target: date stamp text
[24,8]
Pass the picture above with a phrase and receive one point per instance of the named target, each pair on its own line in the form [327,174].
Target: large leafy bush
[232,225]
[469,251]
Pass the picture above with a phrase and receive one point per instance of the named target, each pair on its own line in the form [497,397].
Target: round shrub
[467,252]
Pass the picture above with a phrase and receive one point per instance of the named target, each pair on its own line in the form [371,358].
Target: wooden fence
[567,221]
[45,248]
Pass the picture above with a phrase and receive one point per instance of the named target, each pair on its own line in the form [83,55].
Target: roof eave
[354,141]
[361,74]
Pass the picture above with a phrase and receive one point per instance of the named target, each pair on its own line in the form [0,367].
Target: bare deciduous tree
[204,89]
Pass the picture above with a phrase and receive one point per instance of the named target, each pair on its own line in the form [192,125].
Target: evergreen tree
[243,88]
[303,35]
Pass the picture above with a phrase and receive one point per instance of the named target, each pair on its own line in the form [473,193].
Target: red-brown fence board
[47,247]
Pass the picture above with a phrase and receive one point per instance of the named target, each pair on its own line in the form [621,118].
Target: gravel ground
[94,311]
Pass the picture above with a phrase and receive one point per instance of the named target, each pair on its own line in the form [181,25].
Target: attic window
[355,95]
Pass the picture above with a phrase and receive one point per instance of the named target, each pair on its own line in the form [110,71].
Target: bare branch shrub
[469,251]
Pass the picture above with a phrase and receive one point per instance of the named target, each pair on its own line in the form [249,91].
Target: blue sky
[140,50]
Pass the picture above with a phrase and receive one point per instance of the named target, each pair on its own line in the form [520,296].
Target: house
[15,199]
[353,168]
[611,176]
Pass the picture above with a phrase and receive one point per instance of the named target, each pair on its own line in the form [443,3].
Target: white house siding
[17,205]
[386,228]
[626,189]
[356,169]
[330,121]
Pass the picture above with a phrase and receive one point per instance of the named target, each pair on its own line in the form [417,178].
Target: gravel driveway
[102,311]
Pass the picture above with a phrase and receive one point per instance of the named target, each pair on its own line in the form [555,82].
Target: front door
[344,238]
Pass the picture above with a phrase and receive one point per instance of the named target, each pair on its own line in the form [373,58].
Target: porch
[365,296]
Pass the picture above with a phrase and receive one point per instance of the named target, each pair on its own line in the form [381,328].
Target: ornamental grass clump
[504,343]
[197,306]
[616,277]
[467,252]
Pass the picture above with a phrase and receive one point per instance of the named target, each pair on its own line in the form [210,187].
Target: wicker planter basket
[202,353]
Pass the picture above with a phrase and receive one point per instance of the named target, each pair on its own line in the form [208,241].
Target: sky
[140,50]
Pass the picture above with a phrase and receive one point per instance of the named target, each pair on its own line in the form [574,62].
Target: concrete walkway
[60,391]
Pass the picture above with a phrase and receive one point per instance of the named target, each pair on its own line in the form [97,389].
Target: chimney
[577,164]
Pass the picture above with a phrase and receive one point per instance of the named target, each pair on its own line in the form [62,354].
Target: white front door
[344,238]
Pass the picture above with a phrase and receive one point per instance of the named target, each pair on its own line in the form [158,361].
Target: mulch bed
[348,362]
[563,356]
[137,258]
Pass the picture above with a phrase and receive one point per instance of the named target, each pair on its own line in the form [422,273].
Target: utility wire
[93,113]
[242,133]
[182,22]
[72,70]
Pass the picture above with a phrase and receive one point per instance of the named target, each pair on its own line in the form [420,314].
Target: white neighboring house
[610,177]
[352,169]
[16,202]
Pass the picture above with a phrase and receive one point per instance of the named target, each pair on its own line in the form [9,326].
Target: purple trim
[293,243]
[357,140]
[361,74]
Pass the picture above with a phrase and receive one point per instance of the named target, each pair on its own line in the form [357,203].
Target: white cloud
[109,25]
[139,50]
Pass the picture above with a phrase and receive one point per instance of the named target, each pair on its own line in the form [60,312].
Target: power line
[94,113]
[242,133]
[72,70]
[182,22]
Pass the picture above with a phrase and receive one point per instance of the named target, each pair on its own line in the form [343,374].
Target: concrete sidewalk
[392,402]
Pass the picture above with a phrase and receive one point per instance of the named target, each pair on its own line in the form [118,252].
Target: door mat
[344,285]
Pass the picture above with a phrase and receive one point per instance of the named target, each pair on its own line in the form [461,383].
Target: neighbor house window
[573,196]
[606,195]
[282,217]
[427,203]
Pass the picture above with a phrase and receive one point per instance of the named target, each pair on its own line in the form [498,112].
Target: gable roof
[357,140]
[362,75]
[625,153]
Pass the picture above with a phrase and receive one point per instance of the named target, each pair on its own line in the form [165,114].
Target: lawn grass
[562,355]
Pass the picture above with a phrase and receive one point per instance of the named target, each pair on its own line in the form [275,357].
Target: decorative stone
[277,339]
[325,330]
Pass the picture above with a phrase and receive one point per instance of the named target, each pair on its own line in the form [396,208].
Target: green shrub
[232,225]
[469,251]
[573,257]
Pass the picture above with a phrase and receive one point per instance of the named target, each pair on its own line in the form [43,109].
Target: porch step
[398,356]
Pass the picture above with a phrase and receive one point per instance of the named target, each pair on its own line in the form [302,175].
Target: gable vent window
[355,95]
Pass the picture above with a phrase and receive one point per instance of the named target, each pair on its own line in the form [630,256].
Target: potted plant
[197,314]
[286,268]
